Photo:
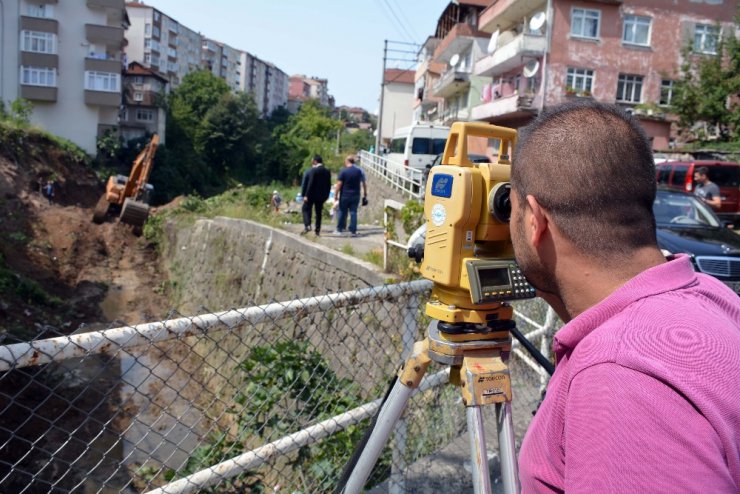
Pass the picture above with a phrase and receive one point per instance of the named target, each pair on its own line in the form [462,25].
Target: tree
[708,89]
[231,136]
[308,132]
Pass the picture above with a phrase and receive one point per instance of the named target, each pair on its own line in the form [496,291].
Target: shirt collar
[676,273]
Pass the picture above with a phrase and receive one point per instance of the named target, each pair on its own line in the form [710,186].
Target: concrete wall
[227,262]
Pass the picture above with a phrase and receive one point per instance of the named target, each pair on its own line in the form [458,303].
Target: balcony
[32,59]
[106,4]
[102,98]
[506,13]
[98,64]
[39,24]
[510,55]
[107,35]
[451,82]
[459,39]
[506,106]
[38,93]
[451,115]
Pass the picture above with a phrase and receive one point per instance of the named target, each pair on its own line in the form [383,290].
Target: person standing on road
[350,183]
[644,397]
[706,190]
[315,192]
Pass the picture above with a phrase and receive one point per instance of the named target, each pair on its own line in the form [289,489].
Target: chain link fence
[270,398]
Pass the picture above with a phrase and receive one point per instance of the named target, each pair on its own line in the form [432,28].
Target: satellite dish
[493,43]
[531,68]
[455,58]
[537,21]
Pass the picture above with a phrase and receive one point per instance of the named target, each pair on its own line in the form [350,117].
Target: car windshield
[682,209]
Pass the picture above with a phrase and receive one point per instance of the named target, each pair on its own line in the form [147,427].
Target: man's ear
[538,222]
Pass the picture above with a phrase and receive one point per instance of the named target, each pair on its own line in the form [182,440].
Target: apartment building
[143,110]
[427,107]
[75,92]
[623,52]
[267,84]
[460,45]
[302,88]
[162,44]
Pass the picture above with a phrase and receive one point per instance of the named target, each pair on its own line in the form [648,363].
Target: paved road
[369,239]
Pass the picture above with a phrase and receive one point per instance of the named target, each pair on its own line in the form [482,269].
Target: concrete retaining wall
[224,262]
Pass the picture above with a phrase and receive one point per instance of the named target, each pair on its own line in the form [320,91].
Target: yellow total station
[467,251]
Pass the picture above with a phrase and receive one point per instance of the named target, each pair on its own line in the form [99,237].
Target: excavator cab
[131,194]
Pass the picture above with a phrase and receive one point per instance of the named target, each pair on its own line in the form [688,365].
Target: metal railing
[407,181]
[270,397]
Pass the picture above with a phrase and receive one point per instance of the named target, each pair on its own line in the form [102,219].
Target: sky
[338,40]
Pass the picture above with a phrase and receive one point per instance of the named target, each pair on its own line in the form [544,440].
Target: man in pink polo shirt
[646,392]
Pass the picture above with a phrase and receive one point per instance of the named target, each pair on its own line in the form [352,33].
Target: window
[38,42]
[124,115]
[636,30]
[155,32]
[39,76]
[580,80]
[706,38]
[42,10]
[666,92]
[139,80]
[147,58]
[156,16]
[147,43]
[629,88]
[102,81]
[138,96]
[148,29]
[145,115]
[584,23]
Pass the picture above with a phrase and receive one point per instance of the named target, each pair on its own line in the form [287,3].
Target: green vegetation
[705,98]
[285,387]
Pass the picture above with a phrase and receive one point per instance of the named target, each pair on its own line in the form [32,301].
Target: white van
[413,148]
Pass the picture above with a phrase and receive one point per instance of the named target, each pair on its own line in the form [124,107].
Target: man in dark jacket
[315,192]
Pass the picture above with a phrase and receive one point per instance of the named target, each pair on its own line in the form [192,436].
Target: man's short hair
[317,158]
[351,159]
[590,166]
[703,170]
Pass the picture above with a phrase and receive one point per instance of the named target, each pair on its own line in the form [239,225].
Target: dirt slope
[75,264]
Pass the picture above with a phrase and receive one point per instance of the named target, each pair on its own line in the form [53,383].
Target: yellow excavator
[130,194]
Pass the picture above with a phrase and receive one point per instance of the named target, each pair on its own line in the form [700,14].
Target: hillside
[56,266]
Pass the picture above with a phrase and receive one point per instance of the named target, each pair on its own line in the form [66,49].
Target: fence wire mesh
[270,398]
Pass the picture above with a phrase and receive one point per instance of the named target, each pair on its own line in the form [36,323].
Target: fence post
[397,482]
[546,344]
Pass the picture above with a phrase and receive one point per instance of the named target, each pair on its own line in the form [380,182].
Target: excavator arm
[128,192]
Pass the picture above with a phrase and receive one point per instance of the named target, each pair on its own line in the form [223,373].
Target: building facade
[83,79]
[627,53]
[302,88]
[143,111]
[398,98]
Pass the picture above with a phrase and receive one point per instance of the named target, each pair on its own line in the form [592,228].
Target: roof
[135,68]
[138,5]
[399,76]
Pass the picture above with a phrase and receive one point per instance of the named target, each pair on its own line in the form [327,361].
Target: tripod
[478,357]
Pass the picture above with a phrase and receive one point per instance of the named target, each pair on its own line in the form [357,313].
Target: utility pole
[379,130]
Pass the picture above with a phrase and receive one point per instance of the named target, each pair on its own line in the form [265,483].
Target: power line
[403,21]
[403,31]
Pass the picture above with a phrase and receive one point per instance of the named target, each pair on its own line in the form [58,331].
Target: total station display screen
[497,277]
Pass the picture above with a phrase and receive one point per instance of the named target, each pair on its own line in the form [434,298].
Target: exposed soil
[59,274]
[76,263]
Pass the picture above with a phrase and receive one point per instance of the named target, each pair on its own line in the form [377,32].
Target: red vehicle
[679,175]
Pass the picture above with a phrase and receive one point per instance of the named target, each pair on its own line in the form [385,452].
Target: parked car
[686,224]
[679,175]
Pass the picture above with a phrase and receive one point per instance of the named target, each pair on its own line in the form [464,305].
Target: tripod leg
[478,451]
[407,381]
[507,447]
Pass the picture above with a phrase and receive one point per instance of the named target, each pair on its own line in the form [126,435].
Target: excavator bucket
[134,213]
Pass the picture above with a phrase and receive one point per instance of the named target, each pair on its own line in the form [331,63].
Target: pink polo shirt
[646,393]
